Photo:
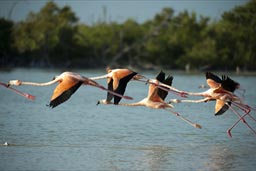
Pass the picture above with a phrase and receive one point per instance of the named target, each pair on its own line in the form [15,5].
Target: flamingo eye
[54,78]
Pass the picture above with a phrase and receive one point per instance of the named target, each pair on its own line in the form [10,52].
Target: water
[78,135]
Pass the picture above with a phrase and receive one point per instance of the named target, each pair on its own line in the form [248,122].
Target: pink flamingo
[69,82]
[222,90]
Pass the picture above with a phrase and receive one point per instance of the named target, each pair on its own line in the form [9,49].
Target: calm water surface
[78,135]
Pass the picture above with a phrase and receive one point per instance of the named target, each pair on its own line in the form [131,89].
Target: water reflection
[149,157]
[220,158]
[156,157]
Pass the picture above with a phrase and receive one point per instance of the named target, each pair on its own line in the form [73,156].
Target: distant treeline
[54,37]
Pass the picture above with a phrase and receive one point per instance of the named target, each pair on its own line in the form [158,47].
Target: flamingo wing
[153,94]
[221,107]
[122,86]
[161,76]
[110,87]
[162,93]
[64,90]
[212,80]
[229,84]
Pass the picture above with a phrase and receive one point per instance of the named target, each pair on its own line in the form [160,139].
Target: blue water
[78,135]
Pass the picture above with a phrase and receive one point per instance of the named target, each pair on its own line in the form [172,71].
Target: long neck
[99,77]
[189,101]
[169,87]
[40,84]
[195,93]
[195,101]
[121,104]
[140,103]
[206,93]
[131,104]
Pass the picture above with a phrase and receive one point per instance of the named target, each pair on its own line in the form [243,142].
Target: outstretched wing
[221,107]
[212,80]
[229,84]
[162,93]
[153,93]
[110,87]
[122,86]
[64,91]
[161,76]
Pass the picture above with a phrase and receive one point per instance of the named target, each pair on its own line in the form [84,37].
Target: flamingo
[119,78]
[222,90]
[69,82]
[155,98]
[28,96]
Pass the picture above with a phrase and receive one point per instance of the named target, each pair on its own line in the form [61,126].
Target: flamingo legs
[184,119]
[26,95]
[246,109]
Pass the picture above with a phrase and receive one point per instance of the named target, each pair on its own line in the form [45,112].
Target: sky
[89,11]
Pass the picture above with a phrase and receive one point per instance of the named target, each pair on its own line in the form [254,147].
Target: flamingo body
[68,85]
[118,82]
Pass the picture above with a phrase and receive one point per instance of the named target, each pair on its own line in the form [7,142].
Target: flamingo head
[6,144]
[14,82]
[104,101]
[138,77]
[175,101]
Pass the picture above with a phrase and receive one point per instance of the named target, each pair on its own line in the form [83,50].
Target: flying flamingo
[69,82]
[155,98]
[28,96]
[118,79]
[222,90]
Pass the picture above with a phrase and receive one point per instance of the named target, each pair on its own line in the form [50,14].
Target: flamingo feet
[229,133]
[128,97]
[29,96]
[197,126]
[183,94]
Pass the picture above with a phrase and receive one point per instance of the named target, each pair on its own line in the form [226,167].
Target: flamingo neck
[99,77]
[188,101]
[131,104]
[40,84]
[140,103]
[204,94]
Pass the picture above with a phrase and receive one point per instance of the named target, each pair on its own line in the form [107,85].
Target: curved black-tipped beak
[147,82]
[98,102]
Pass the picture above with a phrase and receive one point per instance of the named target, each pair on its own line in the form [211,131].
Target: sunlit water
[78,135]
